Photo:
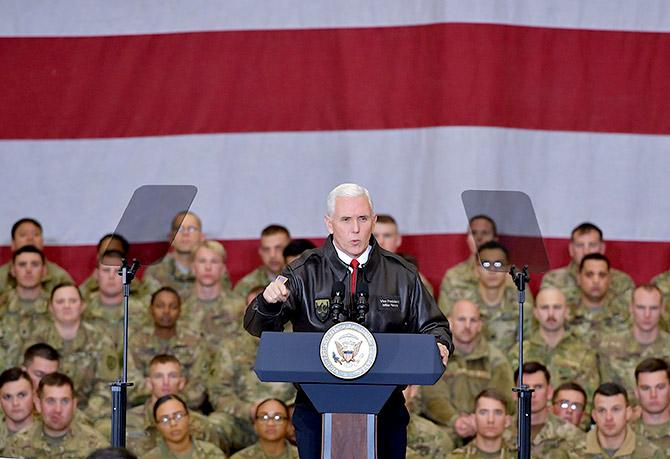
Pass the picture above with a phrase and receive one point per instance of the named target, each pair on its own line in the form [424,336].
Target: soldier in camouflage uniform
[612,436]
[87,354]
[28,231]
[271,423]
[619,353]
[585,239]
[490,420]
[16,400]
[175,269]
[475,365]
[173,422]
[566,355]
[598,311]
[424,438]
[167,335]
[274,239]
[569,403]
[497,299]
[58,434]
[653,394]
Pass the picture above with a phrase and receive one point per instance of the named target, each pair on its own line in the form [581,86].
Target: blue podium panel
[348,398]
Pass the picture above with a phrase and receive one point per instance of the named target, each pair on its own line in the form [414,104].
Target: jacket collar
[340,268]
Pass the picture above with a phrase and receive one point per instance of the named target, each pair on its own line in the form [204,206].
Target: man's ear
[329,223]
[508,421]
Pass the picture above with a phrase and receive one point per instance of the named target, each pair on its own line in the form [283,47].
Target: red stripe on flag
[335,79]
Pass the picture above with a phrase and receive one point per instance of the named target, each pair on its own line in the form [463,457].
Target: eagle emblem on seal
[348,350]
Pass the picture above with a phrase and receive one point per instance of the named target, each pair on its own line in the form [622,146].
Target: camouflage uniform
[659,434]
[633,447]
[187,346]
[571,360]
[464,378]
[5,434]
[501,320]
[138,289]
[55,275]
[255,452]
[165,273]
[662,281]
[565,279]
[110,317]
[470,451]
[556,439]
[17,316]
[259,276]
[201,450]
[78,442]
[427,439]
[620,353]
[89,359]
[590,324]
[214,319]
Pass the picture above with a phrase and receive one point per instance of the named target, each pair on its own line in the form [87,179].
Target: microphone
[338,301]
[362,306]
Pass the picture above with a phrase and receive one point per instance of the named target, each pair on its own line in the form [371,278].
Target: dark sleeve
[262,316]
[429,318]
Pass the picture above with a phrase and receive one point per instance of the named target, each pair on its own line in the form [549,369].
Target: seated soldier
[105,308]
[58,434]
[566,355]
[496,298]
[653,394]
[163,377]
[550,435]
[175,269]
[28,231]
[116,243]
[569,403]
[481,229]
[294,249]
[168,335]
[274,238]
[87,353]
[475,365]
[387,235]
[173,421]
[16,400]
[39,360]
[585,239]
[598,311]
[271,422]
[210,310]
[424,437]
[490,419]
[621,351]
[612,436]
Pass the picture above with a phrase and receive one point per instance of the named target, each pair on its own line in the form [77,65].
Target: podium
[348,407]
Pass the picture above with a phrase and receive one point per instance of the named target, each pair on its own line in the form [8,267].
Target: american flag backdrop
[267,105]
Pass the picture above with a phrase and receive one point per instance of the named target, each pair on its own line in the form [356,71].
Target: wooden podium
[349,408]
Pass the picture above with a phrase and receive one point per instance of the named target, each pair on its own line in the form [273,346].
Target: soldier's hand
[276,291]
[444,353]
[465,426]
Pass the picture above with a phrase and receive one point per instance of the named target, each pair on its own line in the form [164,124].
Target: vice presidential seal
[348,350]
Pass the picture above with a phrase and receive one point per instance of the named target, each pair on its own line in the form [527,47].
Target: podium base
[350,436]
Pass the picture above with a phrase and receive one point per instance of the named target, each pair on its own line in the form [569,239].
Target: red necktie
[354,266]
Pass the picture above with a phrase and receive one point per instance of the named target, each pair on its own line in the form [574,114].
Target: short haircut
[55,379]
[493,394]
[297,246]
[111,453]
[648,288]
[273,229]
[42,350]
[14,374]
[28,249]
[21,221]
[386,218]
[493,245]
[652,365]
[594,256]
[347,190]
[214,246]
[125,245]
[532,367]
[165,288]
[586,227]
[281,402]
[610,389]
[570,385]
[164,358]
[166,398]
[179,218]
[488,219]
[63,285]
[111,254]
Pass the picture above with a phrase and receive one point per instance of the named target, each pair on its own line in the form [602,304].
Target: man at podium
[379,290]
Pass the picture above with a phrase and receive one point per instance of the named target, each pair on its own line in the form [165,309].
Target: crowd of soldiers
[596,354]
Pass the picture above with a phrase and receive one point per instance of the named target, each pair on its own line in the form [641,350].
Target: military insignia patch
[322,309]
